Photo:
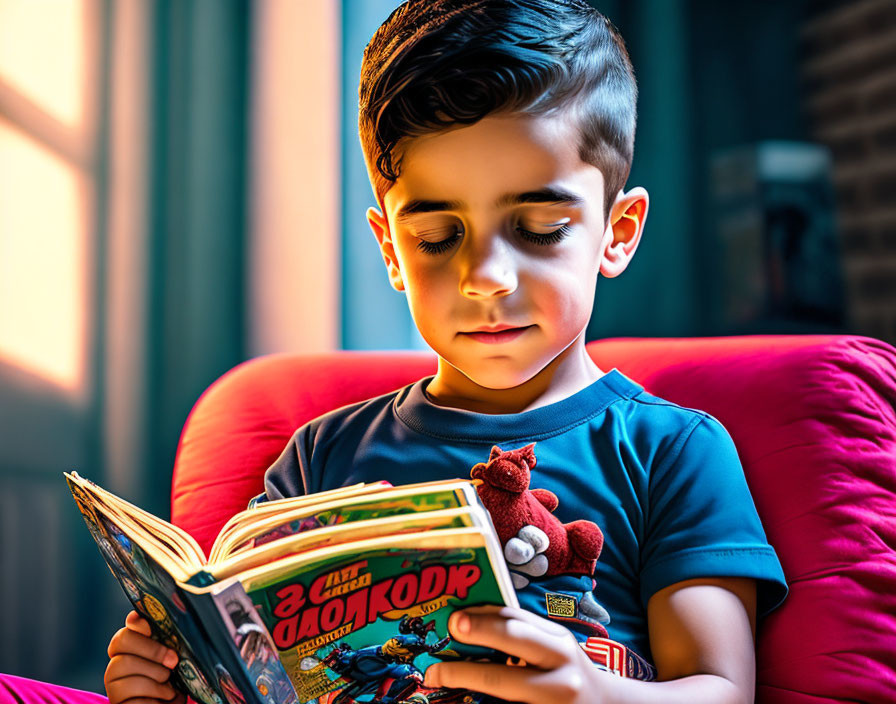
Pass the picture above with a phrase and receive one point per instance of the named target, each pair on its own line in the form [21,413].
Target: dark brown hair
[435,64]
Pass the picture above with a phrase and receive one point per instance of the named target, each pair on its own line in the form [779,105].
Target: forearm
[696,689]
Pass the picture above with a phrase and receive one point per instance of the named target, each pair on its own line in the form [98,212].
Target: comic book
[340,597]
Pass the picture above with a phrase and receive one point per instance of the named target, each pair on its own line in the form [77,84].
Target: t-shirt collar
[413,407]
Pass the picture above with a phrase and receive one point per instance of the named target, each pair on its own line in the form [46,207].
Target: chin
[491,374]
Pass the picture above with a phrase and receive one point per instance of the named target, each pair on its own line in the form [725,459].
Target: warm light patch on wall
[43,54]
[294,247]
[43,236]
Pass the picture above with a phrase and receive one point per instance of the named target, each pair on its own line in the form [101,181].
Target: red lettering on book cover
[341,581]
[364,605]
[292,598]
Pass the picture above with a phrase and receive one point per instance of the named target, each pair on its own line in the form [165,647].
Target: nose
[488,267]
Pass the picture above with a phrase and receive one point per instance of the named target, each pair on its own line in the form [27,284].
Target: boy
[498,136]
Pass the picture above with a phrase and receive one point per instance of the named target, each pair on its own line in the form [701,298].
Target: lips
[500,334]
[497,328]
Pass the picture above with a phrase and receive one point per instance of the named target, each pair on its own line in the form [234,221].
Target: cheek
[427,283]
[421,277]
[429,296]
[569,299]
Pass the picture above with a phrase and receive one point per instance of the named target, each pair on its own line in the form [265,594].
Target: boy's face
[457,197]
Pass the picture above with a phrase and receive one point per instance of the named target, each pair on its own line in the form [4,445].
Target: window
[48,167]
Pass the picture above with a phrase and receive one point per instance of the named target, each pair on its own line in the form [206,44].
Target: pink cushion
[19,690]
[814,424]
[813,420]
[241,424]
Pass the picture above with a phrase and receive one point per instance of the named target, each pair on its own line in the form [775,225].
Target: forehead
[478,164]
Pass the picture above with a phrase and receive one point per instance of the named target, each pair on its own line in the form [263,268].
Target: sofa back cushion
[813,421]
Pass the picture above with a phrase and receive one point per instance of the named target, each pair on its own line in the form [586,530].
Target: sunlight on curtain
[43,54]
[45,197]
[43,236]
[294,245]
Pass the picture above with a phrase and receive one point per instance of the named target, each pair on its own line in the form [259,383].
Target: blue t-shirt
[662,482]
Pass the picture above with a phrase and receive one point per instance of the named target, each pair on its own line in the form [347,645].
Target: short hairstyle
[435,64]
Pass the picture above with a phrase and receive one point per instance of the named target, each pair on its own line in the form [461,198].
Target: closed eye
[438,247]
[542,238]
[545,238]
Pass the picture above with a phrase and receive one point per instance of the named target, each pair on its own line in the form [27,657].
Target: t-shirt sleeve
[702,521]
[288,475]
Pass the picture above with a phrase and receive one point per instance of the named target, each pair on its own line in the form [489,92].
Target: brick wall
[848,71]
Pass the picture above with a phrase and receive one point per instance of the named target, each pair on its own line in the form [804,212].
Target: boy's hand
[139,667]
[552,667]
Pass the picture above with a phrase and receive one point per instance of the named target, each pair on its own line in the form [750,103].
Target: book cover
[361,623]
[348,613]
[207,669]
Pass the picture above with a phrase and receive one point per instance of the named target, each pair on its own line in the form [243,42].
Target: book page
[270,508]
[92,509]
[462,517]
[173,548]
[184,544]
[405,499]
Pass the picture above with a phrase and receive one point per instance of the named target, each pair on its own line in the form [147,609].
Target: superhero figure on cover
[366,669]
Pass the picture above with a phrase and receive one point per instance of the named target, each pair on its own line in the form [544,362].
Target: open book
[337,597]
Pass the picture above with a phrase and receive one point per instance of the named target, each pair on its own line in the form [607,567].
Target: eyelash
[542,239]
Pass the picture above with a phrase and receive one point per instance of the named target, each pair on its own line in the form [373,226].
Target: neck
[569,372]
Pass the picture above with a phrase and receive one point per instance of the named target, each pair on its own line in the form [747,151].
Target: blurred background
[182,188]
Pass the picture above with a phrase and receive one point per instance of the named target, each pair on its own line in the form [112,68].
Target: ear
[380,227]
[623,234]
[529,454]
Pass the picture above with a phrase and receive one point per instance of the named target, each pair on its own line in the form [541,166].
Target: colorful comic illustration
[157,599]
[255,646]
[195,683]
[228,687]
[361,626]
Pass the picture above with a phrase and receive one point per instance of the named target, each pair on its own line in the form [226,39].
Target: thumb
[135,622]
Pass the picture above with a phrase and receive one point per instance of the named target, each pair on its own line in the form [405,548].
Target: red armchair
[814,422]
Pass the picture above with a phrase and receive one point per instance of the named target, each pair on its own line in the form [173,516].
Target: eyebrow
[547,195]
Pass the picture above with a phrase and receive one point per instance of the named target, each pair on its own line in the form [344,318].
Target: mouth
[500,334]
[500,327]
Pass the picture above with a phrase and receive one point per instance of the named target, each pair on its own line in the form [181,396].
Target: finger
[535,640]
[516,684]
[136,622]
[128,642]
[515,612]
[124,665]
[125,688]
